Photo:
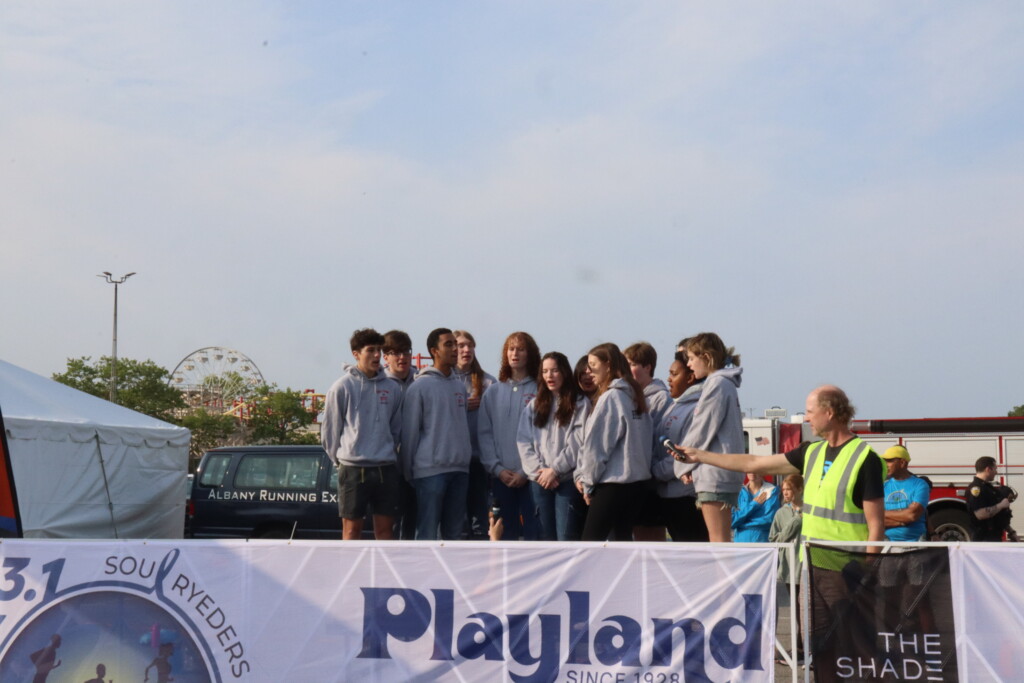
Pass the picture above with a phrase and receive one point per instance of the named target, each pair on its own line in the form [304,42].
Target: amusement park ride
[222,380]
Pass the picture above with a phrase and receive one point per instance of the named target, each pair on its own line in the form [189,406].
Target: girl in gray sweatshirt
[547,456]
[497,427]
[717,426]
[615,459]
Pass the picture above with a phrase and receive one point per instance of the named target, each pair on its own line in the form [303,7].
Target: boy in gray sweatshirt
[436,449]
[361,431]
[398,366]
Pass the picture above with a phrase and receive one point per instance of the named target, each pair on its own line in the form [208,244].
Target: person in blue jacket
[752,517]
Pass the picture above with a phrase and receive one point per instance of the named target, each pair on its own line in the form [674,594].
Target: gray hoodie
[717,427]
[362,422]
[404,383]
[548,446]
[435,431]
[616,440]
[674,426]
[658,400]
[467,379]
[574,441]
[498,424]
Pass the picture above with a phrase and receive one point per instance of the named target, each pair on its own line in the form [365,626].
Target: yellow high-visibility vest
[829,513]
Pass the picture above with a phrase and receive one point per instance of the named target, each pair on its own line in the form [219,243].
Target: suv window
[298,472]
[215,469]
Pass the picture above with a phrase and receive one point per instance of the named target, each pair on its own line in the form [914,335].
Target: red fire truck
[942,449]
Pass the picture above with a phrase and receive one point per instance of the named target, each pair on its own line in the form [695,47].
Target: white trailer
[945,450]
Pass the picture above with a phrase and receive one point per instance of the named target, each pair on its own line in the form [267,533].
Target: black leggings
[613,507]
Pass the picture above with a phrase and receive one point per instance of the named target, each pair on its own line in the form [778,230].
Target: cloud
[809,180]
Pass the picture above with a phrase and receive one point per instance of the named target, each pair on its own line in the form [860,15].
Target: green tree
[279,417]
[1018,411]
[141,385]
[209,430]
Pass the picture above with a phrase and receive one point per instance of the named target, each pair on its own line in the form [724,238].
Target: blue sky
[833,187]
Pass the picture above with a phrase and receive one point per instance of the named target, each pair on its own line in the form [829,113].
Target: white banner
[201,611]
[988,601]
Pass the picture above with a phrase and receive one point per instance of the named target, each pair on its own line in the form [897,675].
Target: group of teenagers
[588,451]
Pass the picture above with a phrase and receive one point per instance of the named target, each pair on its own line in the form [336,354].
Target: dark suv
[265,492]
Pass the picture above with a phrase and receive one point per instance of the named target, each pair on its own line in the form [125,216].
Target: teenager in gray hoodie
[360,432]
[500,410]
[678,501]
[399,367]
[717,427]
[615,458]
[643,359]
[435,448]
[545,450]
[477,381]
[398,358]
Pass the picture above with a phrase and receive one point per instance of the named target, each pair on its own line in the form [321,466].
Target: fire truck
[942,449]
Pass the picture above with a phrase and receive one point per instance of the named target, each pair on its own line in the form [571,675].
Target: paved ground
[782,633]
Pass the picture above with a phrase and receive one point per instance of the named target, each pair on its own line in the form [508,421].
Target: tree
[209,430]
[141,385]
[279,417]
[1018,411]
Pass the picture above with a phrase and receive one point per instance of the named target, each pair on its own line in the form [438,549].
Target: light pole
[113,363]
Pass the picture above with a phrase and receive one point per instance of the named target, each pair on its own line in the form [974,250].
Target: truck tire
[952,525]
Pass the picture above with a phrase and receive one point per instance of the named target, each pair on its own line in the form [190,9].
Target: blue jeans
[559,511]
[440,503]
[516,503]
[477,499]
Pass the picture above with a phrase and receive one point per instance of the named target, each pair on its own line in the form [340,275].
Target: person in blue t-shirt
[906,498]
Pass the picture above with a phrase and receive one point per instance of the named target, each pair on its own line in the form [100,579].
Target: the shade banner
[882,617]
[399,611]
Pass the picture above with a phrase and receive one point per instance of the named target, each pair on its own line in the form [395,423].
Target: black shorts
[376,486]
[685,522]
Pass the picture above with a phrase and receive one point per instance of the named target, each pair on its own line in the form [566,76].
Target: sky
[834,188]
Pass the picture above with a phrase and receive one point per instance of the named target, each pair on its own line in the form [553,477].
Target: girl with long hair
[786,528]
[548,458]
[584,379]
[468,369]
[498,425]
[788,522]
[615,458]
[717,426]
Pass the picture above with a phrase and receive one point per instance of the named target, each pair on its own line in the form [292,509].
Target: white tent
[87,468]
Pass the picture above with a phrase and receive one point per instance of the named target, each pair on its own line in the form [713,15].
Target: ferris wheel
[215,377]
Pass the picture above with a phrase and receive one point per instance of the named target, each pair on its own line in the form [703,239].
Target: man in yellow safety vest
[844,496]
[844,500]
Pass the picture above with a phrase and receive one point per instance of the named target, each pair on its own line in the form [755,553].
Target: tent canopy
[87,468]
